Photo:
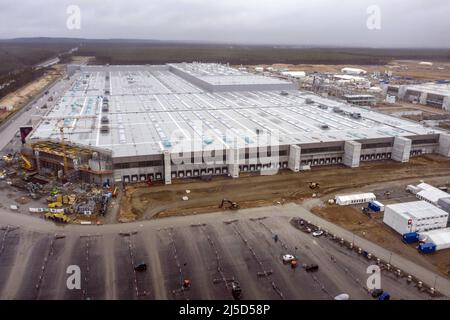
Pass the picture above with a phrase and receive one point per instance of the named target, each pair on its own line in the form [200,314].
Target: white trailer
[349,199]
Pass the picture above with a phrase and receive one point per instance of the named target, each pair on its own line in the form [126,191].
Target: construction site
[221,159]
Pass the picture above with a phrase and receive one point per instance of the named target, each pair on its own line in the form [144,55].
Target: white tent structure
[345,200]
[353,71]
[440,238]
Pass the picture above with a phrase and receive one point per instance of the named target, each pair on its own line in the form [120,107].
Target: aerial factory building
[164,122]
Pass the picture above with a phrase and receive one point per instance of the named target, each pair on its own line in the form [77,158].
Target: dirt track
[254,191]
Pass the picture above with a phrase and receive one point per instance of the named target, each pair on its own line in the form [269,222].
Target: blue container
[411,237]
[427,248]
[385,296]
[374,207]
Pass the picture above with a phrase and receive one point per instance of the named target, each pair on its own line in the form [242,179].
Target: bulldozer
[314,185]
[231,204]
[57,217]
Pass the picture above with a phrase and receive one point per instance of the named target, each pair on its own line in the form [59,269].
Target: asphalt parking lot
[209,253]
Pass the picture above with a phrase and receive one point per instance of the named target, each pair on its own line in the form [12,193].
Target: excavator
[26,164]
[231,204]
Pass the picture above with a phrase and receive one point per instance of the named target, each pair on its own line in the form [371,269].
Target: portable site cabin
[430,193]
[416,216]
[345,200]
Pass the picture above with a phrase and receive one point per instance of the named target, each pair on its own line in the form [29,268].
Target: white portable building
[430,194]
[353,71]
[345,200]
[294,74]
[416,216]
[440,238]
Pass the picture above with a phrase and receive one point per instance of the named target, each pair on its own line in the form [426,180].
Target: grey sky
[418,23]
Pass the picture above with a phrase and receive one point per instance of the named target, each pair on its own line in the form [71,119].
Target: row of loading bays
[199,173]
[378,156]
[142,177]
[322,161]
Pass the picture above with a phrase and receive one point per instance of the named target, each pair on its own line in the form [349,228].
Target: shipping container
[427,248]
[411,237]
[376,206]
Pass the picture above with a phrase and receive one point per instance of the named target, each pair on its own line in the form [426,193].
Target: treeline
[16,80]
[159,54]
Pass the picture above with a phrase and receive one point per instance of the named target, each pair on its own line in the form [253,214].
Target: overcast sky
[418,23]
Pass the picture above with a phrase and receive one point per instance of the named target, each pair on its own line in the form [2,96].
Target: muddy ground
[144,202]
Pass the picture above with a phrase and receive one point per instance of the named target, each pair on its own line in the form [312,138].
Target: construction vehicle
[8,158]
[231,204]
[55,204]
[57,217]
[314,185]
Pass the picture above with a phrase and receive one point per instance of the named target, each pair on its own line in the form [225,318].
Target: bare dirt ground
[143,202]
[22,96]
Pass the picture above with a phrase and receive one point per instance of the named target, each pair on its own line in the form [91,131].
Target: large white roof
[152,109]
[417,210]
[431,193]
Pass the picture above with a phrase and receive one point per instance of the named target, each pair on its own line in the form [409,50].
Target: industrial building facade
[135,123]
[432,94]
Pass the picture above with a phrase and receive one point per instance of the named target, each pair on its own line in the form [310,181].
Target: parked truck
[426,248]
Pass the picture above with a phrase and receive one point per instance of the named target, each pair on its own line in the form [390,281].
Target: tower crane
[60,125]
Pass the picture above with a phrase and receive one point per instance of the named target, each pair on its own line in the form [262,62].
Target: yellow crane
[61,120]
[26,163]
